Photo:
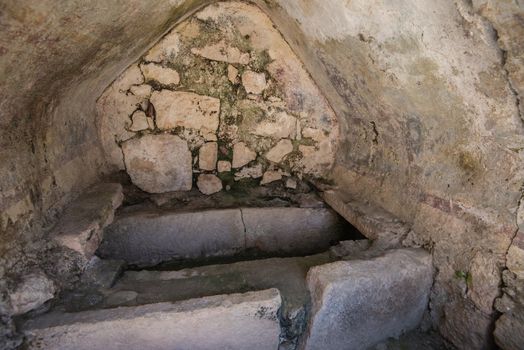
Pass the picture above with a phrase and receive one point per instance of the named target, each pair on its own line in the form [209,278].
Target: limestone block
[222,52]
[515,256]
[253,82]
[359,303]
[296,230]
[291,183]
[242,155]
[235,321]
[281,149]
[207,156]
[209,184]
[162,75]
[271,176]
[148,238]
[33,291]
[142,90]
[281,125]
[159,163]
[186,109]
[224,166]
[509,333]
[81,226]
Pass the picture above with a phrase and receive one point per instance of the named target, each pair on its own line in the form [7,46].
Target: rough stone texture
[209,184]
[242,155]
[222,52]
[281,149]
[159,163]
[232,74]
[253,172]
[185,109]
[357,304]
[223,166]
[149,237]
[297,230]
[236,321]
[33,291]
[162,75]
[101,273]
[81,226]
[253,82]
[271,176]
[207,156]
[140,121]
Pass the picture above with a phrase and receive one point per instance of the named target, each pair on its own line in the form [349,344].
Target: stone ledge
[81,226]
[235,321]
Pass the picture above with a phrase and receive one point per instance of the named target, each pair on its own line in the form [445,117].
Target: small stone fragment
[254,82]
[271,176]
[253,172]
[33,291]
[209,184]
[207,156]
[165,76]
[242,155]
[291,183]
[282,149]
[139,121]
[232,74]
[224,166]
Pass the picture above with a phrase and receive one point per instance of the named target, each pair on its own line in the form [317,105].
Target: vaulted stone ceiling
[427,94]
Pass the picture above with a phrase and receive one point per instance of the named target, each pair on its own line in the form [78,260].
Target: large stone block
[358,303]
[149,238]
[291,230]
[186,109]
[81,226]
[236,321]
[159,163]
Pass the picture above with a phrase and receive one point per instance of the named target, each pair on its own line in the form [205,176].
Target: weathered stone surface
[209,184]
[207,156]
[359,303]
[165,50]
[253,82]
[33,291]
[281,125]
[281,149]
[223,166]
[186,109]
[286,230]
[139,121]
[236,321]
[515,256]
[271,176]
[253,172]
[242,155]
[148,238]
[509,333]
[159,163]
[101,273]
[162,75]
[291,183]
[232,74]
[80,228]
[221,51]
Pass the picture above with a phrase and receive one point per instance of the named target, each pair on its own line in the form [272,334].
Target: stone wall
[221,97]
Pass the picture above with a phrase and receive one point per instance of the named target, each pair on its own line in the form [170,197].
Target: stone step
[147,238]
[357,304]
[236,321]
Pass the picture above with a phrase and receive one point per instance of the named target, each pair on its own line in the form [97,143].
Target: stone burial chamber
[262,174]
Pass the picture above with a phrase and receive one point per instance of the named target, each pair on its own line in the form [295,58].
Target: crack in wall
[244,226]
